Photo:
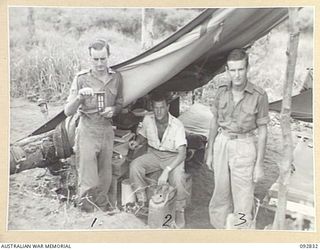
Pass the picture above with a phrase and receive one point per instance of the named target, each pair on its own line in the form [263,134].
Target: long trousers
[155,160]
[234,162]
[94,147]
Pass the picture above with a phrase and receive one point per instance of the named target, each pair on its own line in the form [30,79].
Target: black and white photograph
[161,118]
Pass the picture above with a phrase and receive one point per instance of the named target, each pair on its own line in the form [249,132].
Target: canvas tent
[301,108]
[191,56]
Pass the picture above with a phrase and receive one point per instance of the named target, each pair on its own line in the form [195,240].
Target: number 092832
[309,246]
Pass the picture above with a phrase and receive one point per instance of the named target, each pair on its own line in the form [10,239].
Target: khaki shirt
[112,92]
[249,113]
[173,137]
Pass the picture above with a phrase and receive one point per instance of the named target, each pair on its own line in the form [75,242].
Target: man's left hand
[163,177]
[258,172]
[108,112]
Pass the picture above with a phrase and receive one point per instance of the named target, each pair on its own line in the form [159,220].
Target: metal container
[162,208]
[127,194]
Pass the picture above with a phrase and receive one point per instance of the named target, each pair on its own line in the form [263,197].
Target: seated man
[166,140]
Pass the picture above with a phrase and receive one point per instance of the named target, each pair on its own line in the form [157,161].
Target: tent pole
[147,22]
[287,158]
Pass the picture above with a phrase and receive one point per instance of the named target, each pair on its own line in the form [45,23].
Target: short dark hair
[238,55]
[158,96]
[99,43]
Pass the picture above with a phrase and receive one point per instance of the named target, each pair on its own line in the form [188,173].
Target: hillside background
[49,45]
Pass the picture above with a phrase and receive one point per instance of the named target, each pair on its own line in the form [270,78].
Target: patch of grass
[48,46]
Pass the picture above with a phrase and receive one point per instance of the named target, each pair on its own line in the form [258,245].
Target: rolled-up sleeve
[70,108]
[73,90]
[263,110]
[142,130]
[180,137]
[215,104]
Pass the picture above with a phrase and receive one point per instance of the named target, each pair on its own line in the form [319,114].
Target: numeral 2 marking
[168,219]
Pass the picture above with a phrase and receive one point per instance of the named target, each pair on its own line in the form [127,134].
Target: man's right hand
[133,145]
[85,93]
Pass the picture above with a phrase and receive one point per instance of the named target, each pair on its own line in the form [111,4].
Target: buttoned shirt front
[173,137]
[246,115]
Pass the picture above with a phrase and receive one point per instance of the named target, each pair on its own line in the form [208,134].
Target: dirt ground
[33,204]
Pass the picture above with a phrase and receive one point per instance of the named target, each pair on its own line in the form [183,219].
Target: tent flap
[190,57]
[198,49]
[301,107]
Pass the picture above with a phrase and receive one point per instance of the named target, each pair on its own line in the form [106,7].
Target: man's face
[237,71]
[160,110]
[99,59]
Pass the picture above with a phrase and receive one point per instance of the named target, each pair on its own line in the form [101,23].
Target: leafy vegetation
[49,45]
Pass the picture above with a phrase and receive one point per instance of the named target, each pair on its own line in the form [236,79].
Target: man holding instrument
[97,95]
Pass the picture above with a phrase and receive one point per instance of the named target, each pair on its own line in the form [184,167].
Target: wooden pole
[147,29]
[285,166]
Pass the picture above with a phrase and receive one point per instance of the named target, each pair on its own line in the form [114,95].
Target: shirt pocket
[222,108]
[170,144]
[152,137]
[248,117]
[111,92]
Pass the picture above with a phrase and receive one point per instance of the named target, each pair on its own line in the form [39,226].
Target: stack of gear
[196,121]
[195,152]
[34,152]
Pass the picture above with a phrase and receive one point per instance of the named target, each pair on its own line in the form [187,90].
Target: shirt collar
[109,70]
[248,87]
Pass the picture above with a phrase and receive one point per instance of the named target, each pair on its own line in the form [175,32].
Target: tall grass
[45,58]
[48,70]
